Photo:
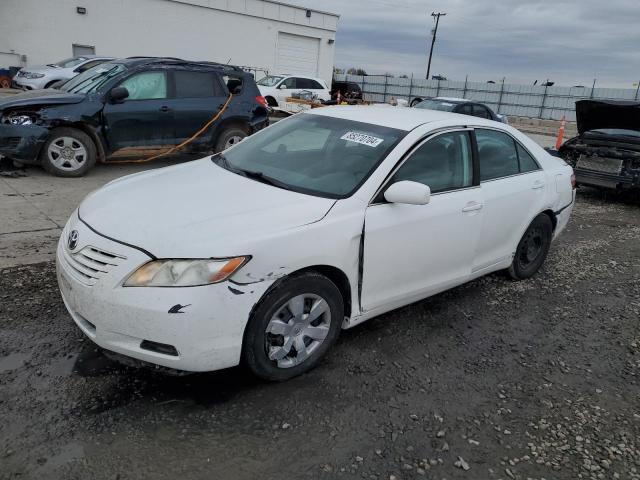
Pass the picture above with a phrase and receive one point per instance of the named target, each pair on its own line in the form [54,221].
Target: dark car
[347,90]
[461,105]
[130,108]
[606,152]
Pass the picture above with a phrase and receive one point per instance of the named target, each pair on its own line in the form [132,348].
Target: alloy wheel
[232,141]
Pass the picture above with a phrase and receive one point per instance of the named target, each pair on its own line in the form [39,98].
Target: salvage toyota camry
[261,254]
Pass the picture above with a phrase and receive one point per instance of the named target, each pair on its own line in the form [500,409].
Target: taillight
[262,101]
[573,181]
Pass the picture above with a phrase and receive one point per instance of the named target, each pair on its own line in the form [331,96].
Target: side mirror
[118,94]
[408,192]
[282,87]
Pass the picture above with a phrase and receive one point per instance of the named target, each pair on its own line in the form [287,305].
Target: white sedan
[33,78]
[263,253]
[277,88]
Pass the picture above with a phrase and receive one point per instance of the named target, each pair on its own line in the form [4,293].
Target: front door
[412,251]
[144,119]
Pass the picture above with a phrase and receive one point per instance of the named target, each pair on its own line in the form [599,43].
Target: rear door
[513,190]
[144,118]
[197,95]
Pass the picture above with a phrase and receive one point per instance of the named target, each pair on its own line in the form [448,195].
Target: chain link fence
[550,103]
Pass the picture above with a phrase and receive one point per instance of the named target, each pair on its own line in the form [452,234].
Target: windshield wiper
[222,161]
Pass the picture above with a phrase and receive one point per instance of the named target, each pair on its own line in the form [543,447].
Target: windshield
[93,79]
[437,105]
[69,62]
[269,80]
[616,132]
[323,156]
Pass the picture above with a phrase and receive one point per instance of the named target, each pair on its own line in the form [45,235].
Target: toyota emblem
[72,241]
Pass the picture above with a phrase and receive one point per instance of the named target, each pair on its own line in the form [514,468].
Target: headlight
[21,120]
[33,75]
[184,272]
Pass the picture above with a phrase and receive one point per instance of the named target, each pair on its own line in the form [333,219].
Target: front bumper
[22,142]
[607,180]
[206,332]
[29,83]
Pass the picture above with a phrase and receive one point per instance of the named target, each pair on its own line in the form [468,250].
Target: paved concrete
[34,209]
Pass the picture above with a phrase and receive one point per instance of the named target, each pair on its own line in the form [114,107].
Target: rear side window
[196,84]
[527,162]
[308,84]
[498,156]
[480,111]
[443,163]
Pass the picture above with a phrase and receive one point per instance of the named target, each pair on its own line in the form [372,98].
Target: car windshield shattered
[323,156]
[93,79]
[436,105]
[269,81]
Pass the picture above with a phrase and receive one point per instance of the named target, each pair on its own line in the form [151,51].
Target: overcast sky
[570,42]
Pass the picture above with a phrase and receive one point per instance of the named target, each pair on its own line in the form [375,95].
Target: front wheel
[293,327]
[68,152]
[532,249]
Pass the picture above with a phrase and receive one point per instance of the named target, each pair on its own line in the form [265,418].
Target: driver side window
[442,163]
[146,86]
[290,82]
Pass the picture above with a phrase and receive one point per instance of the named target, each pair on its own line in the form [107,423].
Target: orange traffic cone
[560,133]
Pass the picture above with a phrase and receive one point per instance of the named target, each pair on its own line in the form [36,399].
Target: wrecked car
[130,108]
[606,152]
[261,254]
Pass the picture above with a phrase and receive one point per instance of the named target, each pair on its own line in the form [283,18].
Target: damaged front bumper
[22,142]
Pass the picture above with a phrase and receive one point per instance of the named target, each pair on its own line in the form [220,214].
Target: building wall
[242,32]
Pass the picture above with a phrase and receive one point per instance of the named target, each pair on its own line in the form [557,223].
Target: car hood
[40,69]
[599,114]
[49,96]
[196,210]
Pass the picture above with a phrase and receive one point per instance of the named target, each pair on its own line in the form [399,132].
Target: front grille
[90,264]
[9,142]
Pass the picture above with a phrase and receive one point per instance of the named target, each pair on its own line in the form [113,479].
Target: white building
[265,34]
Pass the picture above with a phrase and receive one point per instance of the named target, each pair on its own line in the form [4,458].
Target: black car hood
[49,96]
[598,114]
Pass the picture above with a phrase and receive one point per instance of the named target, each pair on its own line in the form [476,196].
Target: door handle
[471,206]
[537,184]
[164,109]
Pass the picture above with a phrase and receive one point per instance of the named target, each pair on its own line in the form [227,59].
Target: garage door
[297,54]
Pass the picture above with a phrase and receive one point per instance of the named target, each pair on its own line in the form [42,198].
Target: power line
[436,16]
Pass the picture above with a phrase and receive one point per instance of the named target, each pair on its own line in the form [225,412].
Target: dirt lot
[537,379]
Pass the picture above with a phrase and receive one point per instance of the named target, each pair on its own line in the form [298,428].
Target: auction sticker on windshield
[362,138]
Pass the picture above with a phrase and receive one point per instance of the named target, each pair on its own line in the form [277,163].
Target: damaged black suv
[606,153]
[130,108]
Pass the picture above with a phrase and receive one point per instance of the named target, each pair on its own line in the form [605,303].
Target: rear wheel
[230,137]
[532,249]
[415,101]
[68,152]
[293,327]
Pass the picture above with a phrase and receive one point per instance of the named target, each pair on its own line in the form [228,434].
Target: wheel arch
[93,135]
[552,216]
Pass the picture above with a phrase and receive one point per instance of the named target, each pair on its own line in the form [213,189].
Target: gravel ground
[492,380]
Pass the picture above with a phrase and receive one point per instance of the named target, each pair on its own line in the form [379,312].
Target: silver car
[33,78]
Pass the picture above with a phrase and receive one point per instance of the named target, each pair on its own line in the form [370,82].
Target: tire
[415,101]
[68,152]
[229,138]
[274,356]
[532,249]
[271,101]
[5,81]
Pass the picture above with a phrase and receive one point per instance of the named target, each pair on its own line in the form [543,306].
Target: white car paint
[200,210]
[279,92]
[33,78]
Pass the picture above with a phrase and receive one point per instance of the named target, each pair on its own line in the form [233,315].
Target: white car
[263,253]
[276,88]
[33,78]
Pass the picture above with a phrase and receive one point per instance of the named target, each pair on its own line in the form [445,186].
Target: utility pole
[436,16]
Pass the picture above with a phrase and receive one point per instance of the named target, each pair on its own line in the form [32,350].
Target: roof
[136,61]
[401,118]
